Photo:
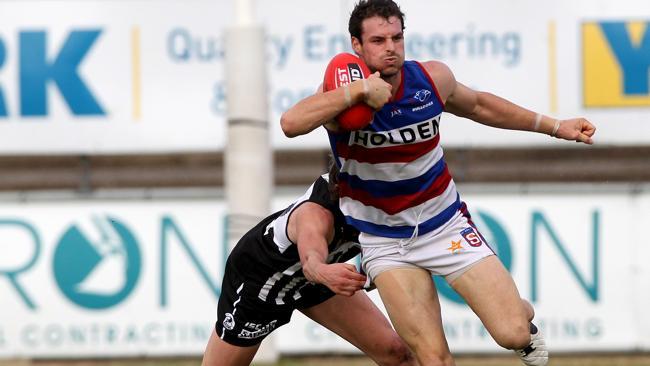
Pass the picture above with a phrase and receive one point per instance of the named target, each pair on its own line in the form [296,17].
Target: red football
[343,69]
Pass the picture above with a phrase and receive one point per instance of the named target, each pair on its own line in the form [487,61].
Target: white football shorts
[448,251]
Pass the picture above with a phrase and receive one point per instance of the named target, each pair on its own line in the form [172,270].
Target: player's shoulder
[441,75]
[436,68]
[316,193]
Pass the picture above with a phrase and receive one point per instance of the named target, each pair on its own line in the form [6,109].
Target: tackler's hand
[341,278]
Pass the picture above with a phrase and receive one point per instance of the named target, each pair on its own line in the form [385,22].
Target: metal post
[248,156]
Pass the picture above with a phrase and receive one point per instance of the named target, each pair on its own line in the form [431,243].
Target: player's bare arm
[315,110]
[311,228]
[321,108]
[492,110]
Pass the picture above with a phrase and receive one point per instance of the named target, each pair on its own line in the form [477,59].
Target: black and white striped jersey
[268,263]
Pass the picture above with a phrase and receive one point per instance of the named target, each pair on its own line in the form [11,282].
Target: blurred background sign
[123,278]
[116,77]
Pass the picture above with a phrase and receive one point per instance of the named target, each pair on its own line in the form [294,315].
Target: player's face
[382,48]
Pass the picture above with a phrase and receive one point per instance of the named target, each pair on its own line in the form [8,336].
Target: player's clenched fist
[379,91]
[576,129]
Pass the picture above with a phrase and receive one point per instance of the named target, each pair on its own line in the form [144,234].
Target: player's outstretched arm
[311,227]
[495,111]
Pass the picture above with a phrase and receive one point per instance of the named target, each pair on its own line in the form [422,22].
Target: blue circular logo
[497,239]
[97,265]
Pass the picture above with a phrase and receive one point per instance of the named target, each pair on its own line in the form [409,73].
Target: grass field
[580,360]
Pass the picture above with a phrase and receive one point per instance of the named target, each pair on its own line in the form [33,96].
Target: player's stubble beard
[386,74]
[390,74]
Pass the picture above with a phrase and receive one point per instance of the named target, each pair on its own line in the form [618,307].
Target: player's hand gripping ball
[342,70]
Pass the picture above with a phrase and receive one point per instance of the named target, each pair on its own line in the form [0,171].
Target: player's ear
[357,46]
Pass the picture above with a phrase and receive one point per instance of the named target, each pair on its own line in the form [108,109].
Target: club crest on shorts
[229,322]
[472,237]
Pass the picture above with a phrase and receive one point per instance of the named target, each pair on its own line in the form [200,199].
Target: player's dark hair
[370,8]
[333,184]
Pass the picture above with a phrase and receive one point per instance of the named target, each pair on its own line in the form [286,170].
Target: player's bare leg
[413,306]
[220,353]
[490,291]
[361,323]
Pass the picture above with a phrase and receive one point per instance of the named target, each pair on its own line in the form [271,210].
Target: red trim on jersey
[433,85]
[404,153]
[400,88]
[395,204]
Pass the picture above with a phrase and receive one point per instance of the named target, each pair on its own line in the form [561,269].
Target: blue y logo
[616,64]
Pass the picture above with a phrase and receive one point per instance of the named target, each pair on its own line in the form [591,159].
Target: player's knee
[530,311]
[397,353]
[516,337]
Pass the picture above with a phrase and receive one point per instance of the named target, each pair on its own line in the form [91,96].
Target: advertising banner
[108,76]
[94,278]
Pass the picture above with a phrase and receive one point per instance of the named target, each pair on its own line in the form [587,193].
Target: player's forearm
[312,262]
[310,113]
[497,112]
[312,249]
[318,109]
